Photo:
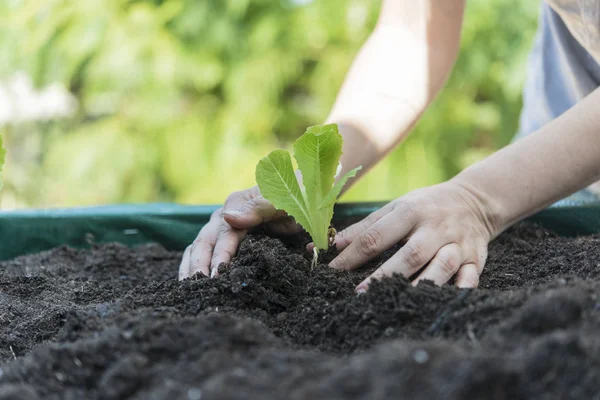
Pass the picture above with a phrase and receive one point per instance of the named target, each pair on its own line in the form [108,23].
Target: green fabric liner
[175,226]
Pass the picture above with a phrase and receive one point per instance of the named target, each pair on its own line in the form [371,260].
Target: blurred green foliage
[179,99]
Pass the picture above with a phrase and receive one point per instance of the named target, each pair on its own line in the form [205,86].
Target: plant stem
[315,257]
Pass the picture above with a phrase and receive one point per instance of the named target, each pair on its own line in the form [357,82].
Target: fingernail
[233,213]
[361,290]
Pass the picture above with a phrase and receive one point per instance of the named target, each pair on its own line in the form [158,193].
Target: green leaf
[278,184]
[335,191]
[317,152]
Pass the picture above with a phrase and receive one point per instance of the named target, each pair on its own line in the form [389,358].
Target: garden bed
[113,322]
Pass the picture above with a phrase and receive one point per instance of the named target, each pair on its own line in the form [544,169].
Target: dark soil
[111,323]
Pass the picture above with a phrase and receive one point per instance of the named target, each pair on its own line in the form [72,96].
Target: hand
[446,226]
[218,240]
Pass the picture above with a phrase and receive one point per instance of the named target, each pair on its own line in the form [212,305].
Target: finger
[467,276]
[444,265]
[382,235]
[481,257]
[202,248]
[348,235]
[227,243]
[251,213]
[184,266]
[418,251]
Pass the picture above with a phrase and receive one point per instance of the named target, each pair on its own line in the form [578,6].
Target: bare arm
[552,163]
[397,73]
[447,227]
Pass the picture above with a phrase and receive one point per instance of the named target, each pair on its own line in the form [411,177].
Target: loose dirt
[112,322]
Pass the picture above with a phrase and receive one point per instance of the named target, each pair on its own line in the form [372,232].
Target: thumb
[254,212]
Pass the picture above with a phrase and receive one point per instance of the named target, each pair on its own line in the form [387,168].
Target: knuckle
[440,225]
[368,242]
[448,264]
[398,206]
[408,211]
[224,229]
[415,254]
[252,203]
[234,198]
[261,207]
[236,195]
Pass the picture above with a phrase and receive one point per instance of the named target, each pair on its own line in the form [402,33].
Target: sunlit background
[120,101]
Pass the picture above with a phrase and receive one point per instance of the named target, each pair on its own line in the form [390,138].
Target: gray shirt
[564,66]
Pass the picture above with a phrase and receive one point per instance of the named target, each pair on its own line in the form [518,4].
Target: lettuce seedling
[310,202]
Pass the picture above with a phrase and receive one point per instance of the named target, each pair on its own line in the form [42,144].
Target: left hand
[446,227]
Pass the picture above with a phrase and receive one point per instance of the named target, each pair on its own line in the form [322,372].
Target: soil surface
[112,322]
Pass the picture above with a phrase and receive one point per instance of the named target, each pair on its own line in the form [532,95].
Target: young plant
[310,202]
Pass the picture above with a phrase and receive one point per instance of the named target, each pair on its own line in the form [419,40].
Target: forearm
[552,163]
[395,76]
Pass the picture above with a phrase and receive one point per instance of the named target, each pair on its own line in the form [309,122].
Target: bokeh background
[120,101]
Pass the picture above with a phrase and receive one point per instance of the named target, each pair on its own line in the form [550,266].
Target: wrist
[358,148]
[488,209]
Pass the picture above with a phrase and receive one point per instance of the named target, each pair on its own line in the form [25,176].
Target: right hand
[218,240]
